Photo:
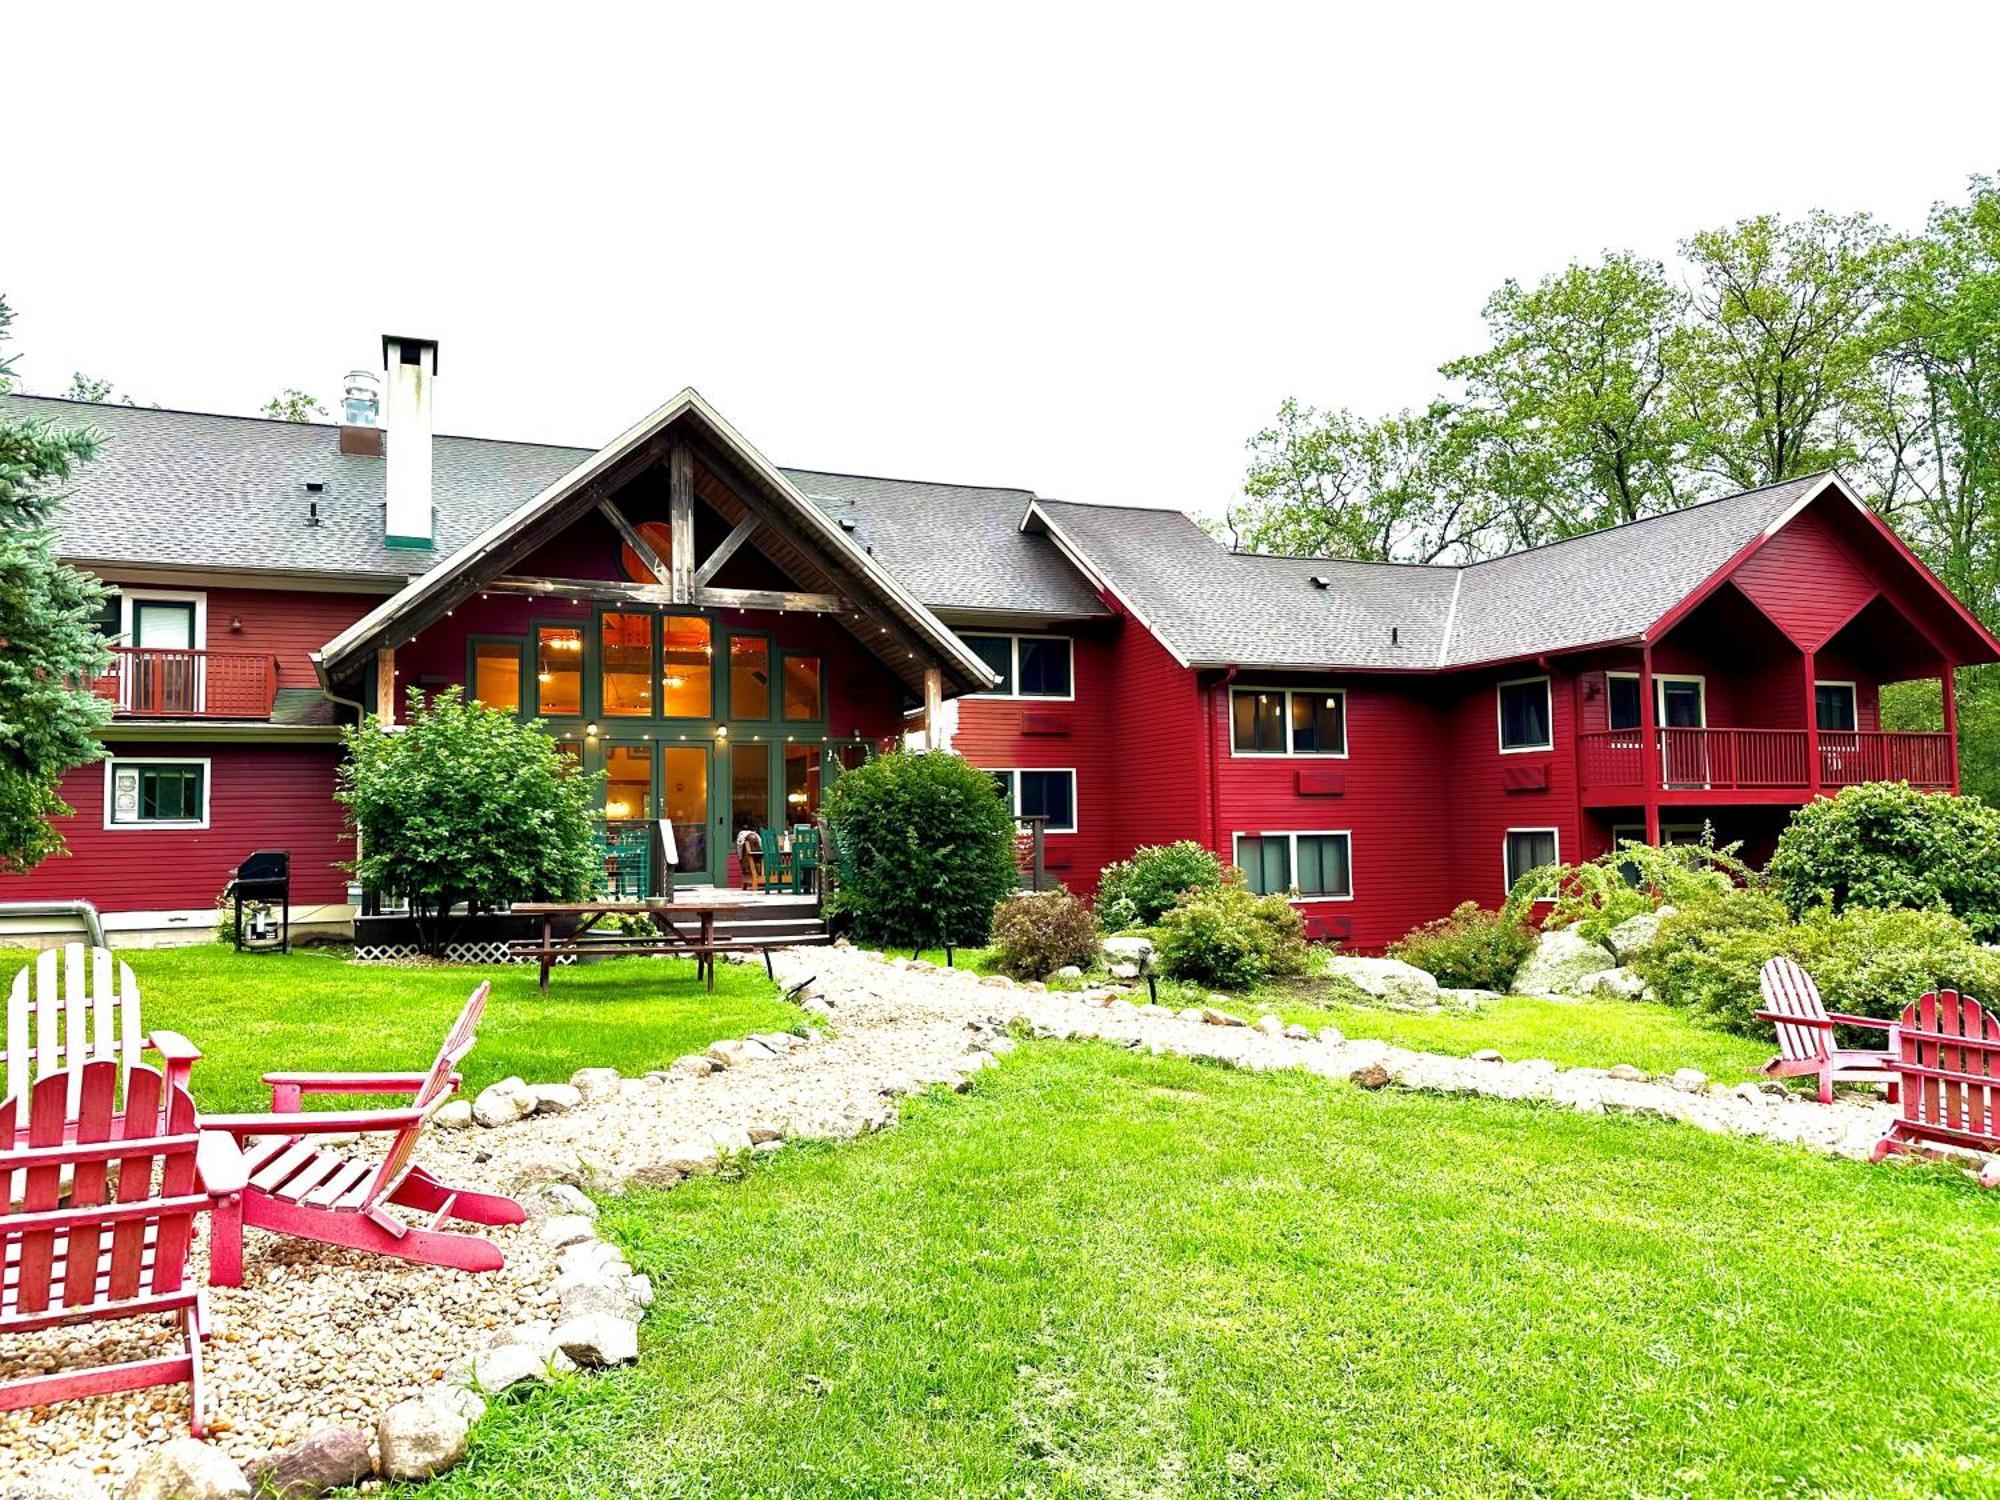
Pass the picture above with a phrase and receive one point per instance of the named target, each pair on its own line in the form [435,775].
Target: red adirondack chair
[72,1005]
[1805,1034]
[1948,1056]
[97,1212]
[297,1187]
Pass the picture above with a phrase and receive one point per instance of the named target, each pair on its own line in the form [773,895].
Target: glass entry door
[644,782]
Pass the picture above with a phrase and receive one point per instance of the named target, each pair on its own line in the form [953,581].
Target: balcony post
[1948,680]
[1652,752]
[1813,768]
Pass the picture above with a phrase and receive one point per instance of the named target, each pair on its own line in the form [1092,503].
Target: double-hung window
[1526,720]
[1288,721]
[1040,794]
[1028,666]
[1313,866]
[1834,708]
[1529,849]
[155,793]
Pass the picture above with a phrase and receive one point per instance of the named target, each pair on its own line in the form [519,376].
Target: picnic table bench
[687,930]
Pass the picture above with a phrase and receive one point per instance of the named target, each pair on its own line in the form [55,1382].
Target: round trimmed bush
[1888,845]
[1472,949]
[1231,938]
[1039,932]
[926,850]
[1136,892]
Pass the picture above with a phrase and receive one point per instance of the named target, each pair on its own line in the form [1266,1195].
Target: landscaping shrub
[1231,937]
[467,804]
[1888,845]
[1135,892]
[1628,880]
[1037,933]
[1472,949]
[926,850]
[1866,962]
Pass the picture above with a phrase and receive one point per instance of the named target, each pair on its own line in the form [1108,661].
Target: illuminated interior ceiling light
[543,676]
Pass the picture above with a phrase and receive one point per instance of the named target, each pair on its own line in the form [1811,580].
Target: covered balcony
[1617,764]
[151,682]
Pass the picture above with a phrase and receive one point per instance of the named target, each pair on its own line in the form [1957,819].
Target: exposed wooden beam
[605,590]
[385,684]
[933,707]
[680,515]
[725,550]
[647,556]
[788,600]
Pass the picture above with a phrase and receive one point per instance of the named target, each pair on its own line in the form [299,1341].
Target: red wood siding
[1002,733]
[1388,803]
[289,624]
[260,797]
[1156,718]
[1473,793]
[1806,580]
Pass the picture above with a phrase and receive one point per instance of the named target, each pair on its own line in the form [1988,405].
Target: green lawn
[313,1009]
[1570,1033]
[1103,1274]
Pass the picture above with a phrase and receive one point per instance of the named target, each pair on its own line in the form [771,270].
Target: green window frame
[523,699]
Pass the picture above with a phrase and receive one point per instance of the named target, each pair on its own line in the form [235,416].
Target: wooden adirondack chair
[97,1211]
[297,1187]
[1805,1034]
[73,1005]
[1948,1056]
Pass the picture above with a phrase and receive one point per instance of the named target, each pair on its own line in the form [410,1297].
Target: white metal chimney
[411,365]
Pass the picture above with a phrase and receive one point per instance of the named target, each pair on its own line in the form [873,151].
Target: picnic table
[687,928]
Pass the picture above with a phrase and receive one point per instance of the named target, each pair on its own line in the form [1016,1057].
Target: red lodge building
[722,637]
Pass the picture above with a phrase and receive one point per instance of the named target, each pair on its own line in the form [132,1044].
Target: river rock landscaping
[322,1354]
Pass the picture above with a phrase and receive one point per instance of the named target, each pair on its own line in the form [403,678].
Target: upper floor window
[559,671]
[1288,721]
[749,677]
[1028,666]
[1526,722]
[156,793]
[687,667]
[1834,707]
[802,688]
[1622,701]
[496,674]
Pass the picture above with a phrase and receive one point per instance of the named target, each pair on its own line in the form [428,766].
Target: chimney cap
[410,350]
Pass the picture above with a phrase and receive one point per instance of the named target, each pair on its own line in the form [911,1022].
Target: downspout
[1218,691]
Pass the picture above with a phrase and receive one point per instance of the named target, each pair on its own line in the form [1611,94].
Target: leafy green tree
[1572,400]
[49,645]
[84,387]
[1776,360]
[1405,488]
[467,804]
[926,850]
[292,405]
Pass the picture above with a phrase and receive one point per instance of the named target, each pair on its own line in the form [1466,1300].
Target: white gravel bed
[318,1336]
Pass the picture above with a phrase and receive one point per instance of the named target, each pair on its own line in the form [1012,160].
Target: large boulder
[1616,984]
[420,1438]
[186,1469]
[503,1103]
[1389,980]
[1636,934]
[1563,960]
[330,1458]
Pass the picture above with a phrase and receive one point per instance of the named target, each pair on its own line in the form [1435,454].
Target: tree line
[1622,388]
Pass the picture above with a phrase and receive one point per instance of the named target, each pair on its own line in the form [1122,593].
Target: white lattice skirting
[454,953]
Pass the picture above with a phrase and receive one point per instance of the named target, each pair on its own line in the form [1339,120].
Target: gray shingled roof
[185,488]
[1218,607]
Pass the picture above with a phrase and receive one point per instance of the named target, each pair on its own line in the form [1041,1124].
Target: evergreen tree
[50,648]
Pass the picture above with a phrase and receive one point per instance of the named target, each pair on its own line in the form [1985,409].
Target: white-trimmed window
[1288,721]
[1313,866]
[1032,793]
[1526,849]
[1836,707]
[162,619]
[1028,666]
[1527,718]
[155,792]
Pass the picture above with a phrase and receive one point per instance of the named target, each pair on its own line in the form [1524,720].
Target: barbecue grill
[264,879]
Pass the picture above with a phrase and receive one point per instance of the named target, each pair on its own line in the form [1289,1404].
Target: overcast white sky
[1080,251]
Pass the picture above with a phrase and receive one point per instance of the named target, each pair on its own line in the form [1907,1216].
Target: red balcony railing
[153,683]
[1759,759]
